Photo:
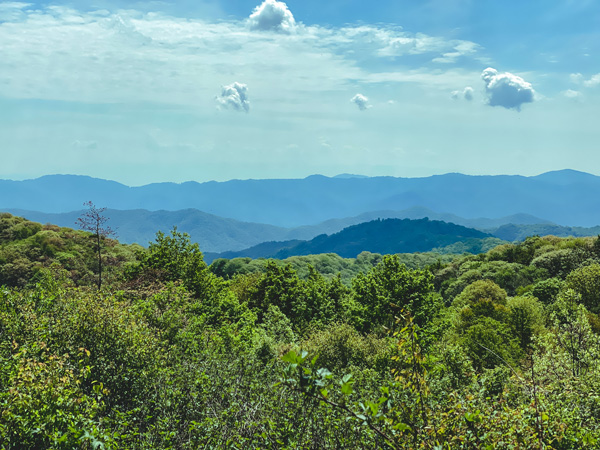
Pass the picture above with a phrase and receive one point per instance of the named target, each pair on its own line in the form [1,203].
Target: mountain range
[217,234]
[563,197]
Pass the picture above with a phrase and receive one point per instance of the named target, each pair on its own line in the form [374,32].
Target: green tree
[279,286]
[586,282]
[479,290]
[174,257]
[490,343]
[389,286]
[526,318]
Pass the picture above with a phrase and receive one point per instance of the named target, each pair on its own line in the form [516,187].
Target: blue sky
[143,92]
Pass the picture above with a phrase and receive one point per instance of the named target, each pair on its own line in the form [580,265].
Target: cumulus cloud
[234,96]
[466,93]
[361,101]
[594,81]
[506,89]
[272,15]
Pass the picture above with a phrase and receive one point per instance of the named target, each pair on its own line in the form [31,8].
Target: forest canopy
[494,350]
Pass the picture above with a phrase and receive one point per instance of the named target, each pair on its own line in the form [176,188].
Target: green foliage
[45,405]
[479,290]
[389,286]
[327,264]
[471,245]
[292,355]
[175,258]
[560,262]
[490,343]
[586,282]
[315,301]
[526,319]
[340,346]
[27,248]
[547,290]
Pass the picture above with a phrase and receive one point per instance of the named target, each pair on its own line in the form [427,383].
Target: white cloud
[234,96]
[593,81]
[506,89]
[272,15]
[395,43]
[576,78]
[361,101]
[58,53]
[570,93]
[466,93]
[10,11]
[461,48]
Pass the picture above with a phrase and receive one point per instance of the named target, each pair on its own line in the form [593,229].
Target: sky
[199,90]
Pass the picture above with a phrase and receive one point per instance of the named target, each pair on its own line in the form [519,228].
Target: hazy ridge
[564,197]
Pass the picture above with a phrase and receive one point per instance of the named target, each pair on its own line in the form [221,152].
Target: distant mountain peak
[567,176]
[349,175]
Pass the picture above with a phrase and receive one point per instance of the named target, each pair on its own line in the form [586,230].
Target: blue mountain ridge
[564,197]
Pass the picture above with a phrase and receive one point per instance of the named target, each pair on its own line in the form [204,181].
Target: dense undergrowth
[497,350]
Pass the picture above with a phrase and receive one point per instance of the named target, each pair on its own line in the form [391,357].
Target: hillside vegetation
[377,236]
[492,351]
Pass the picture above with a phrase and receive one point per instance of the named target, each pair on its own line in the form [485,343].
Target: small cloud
[576,78]
[594,81]
[234,96]
[361,101]
[570,93]
[324,143]
[461,48]
[506,89]
[272,15]
[466,93]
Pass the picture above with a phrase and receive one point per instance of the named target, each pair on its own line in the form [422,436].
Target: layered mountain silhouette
[217,234]
[563,197]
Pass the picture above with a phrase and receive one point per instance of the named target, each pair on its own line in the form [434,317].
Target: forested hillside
[489,351]
[376,236]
